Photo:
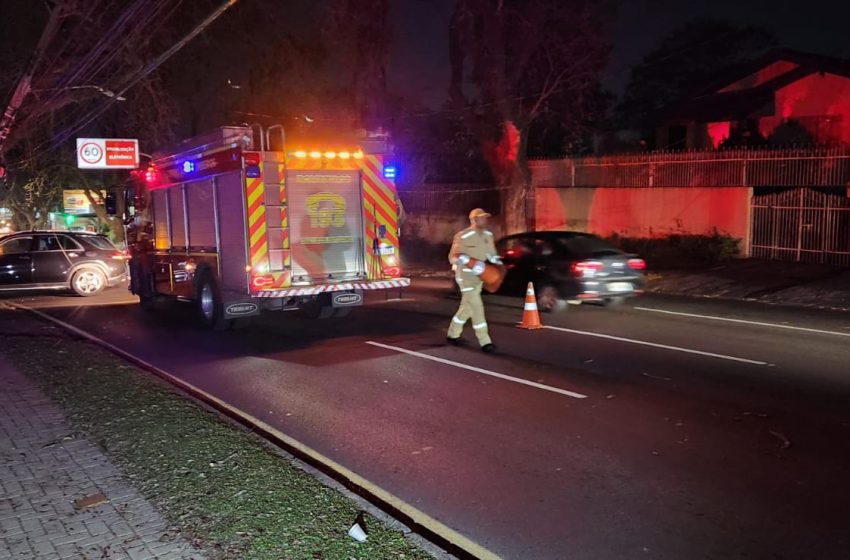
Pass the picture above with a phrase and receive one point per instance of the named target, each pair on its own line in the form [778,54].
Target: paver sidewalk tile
[45,466]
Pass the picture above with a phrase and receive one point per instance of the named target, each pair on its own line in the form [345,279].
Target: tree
[93,75]
[685,61]
[361,31]
[514,62]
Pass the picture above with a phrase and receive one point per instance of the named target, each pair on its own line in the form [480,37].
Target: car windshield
[99,242]
[587,246]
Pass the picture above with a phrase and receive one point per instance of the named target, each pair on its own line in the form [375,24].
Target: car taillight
[637,264]
[586,268]
[119,256]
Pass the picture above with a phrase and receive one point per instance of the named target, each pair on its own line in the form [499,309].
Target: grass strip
[218,485]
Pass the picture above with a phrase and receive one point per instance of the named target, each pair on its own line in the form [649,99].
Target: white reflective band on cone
[531,307]
[479,326]
[530,292]
[458,321]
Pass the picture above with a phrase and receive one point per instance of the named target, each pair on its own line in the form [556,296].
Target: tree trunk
[515,191]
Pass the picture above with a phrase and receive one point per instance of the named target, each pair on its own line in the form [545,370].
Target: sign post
[107,153]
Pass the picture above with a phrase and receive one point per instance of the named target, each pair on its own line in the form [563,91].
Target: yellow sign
[76,201]
[326,210]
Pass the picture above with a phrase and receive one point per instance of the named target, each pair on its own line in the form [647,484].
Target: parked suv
[37,260]
[568,265]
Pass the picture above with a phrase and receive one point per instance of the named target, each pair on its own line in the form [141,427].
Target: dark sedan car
[40,260]
[568,265]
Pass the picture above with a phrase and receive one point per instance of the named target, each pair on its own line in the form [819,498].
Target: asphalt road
[666,428]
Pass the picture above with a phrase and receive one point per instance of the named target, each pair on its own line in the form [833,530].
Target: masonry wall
[645,211]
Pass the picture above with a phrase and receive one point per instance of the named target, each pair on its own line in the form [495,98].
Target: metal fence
[801,225]
[449,199]
[788,167]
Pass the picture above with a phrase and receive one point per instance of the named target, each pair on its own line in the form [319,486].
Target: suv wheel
[550,301]
[88,282]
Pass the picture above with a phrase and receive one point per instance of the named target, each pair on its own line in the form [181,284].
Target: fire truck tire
[209,303]
[147,302]
[326,312]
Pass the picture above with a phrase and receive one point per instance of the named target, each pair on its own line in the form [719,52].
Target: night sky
[420,64]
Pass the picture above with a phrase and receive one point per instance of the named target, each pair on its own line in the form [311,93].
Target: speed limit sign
[107,153]
[91,153]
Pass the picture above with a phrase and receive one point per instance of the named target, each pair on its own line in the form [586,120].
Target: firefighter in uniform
[470,251]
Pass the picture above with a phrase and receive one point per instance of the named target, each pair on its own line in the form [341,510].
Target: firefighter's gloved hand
[462,259]
[479,267]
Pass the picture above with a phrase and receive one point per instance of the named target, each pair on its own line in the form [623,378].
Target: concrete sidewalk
[47,470]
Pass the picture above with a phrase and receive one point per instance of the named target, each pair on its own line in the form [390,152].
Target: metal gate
[802,225]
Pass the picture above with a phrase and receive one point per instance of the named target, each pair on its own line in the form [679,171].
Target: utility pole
[24,86]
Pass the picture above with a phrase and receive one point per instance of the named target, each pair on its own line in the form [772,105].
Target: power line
[69,131]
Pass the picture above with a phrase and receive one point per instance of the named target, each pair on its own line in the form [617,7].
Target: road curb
[417,521]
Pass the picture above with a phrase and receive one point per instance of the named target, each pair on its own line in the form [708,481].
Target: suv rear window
[99,242]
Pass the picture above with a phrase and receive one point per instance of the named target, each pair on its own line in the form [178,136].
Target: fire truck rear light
[252,171]
[392,271]
[247,268]
[252,158]
[261,281]
[315,155]
[330,155]
[300,154]
[344,155]
[358,155]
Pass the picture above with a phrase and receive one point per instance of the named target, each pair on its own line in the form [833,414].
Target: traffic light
[111,203]
[151,175]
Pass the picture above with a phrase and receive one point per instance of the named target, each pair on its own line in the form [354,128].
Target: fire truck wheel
[88,282]
[209,303]
[147,302]
[340,312]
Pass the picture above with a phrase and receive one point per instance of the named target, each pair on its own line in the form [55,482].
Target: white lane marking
[656,345]
[479,370]
[730,320]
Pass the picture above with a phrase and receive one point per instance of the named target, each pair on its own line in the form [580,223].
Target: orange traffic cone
[530,315]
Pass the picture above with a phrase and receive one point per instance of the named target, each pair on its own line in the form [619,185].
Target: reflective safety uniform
[471,243]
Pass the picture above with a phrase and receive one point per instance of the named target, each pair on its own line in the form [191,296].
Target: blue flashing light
[188,167]
[390,171]
[252,171]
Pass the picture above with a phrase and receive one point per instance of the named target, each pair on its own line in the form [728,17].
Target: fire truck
[238,228]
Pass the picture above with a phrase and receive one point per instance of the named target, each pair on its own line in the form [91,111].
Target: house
[786,97]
